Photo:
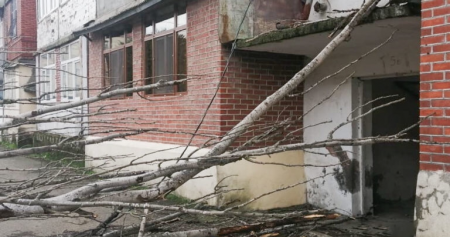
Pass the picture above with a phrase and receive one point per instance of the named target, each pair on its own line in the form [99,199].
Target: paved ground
[40,227]
[395,223]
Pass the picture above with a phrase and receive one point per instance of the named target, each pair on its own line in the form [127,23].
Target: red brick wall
[26,29]
[251,78]
[173,113]
[435,84]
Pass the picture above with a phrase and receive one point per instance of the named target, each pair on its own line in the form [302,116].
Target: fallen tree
[29,198]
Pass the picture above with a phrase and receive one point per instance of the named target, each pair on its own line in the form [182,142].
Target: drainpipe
[306,10]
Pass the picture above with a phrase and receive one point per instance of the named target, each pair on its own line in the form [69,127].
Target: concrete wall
[108,7]
[399,56]
[432,203]
[121,152]
[255,179]
[263,15]
[59,24]
[17,77]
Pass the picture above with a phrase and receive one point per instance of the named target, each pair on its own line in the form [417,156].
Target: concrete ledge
[323,26]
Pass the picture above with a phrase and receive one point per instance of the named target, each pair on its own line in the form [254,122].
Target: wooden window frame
[109,50]
[153,37]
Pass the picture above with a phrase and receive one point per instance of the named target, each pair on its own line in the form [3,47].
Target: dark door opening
[395,165]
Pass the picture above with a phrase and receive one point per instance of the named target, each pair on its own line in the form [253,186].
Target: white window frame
[13,18]
[47,83]
[45,7]
[10,87]
[69,75]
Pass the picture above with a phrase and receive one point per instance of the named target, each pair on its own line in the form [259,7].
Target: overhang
[111,20]
[308,39]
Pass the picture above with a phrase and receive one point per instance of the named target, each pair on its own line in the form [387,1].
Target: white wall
[55,28]
[122,152]
[432,204]
[68,129]
[254,179]
[338,5]
[397,57]
[17,77]
[60,23]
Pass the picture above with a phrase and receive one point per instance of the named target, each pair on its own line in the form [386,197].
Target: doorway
[393,166]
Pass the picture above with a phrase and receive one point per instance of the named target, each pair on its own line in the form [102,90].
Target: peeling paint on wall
[432,213]
[60,23]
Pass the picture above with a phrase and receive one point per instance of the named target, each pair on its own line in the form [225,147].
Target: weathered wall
[257,179]
[399,56]
[124,151]
[60,23]
[23,75]
[15,78]
[54,31]
[263,15]
[108,7]
[432,203]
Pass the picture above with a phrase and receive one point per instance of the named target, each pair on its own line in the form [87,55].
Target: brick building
[433,181]
[137,42]
[18,44]
[180,38]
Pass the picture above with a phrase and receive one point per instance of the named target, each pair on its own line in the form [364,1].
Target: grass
[178,200]
[8,145]
[60,157]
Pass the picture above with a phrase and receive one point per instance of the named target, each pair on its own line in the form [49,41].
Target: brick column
[433,184]
[435,84]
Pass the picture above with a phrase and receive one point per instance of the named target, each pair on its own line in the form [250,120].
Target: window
[10,86]
[165,48]
[71,78]
[118,59]
[13,21]
[46,6]
[47,79]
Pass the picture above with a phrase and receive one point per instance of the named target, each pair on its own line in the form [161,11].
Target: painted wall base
[253,179]
[432,214]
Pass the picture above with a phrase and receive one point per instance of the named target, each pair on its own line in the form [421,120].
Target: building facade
[172,40]
[141,42]
[432,201]
[19,45]
[62,59]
